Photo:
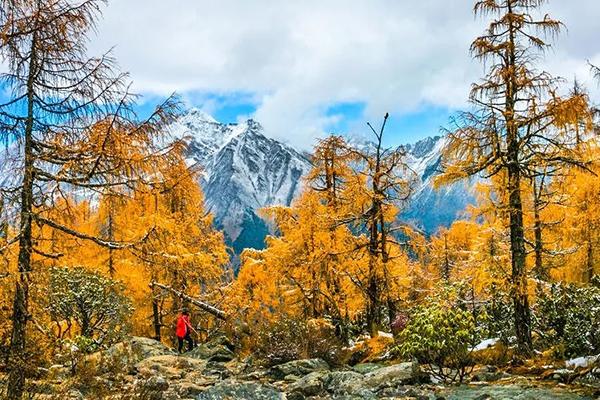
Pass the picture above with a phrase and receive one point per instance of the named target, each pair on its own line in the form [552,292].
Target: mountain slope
[430,208]
[245,171]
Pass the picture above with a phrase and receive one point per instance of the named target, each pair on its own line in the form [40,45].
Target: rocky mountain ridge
[244,171]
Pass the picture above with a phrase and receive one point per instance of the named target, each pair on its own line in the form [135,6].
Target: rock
[217,369]
[291,378]
[403,392]
[337,379]
[582,362]
[488,373]
[563,375]
[361,394]
[309,385]
[230,390]
[75,394]
[217,353]
[146,347]
[187,389]
[169,366]
[364,368]
[125,354]
[299,368]
[399,374]
[156,384]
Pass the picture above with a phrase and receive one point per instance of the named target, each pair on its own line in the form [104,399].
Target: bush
[96,305]
[567,317]
[440,337]
[291,338]
[497,317]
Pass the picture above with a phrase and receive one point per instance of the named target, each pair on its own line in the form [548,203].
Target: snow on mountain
[431,208]
[245,171]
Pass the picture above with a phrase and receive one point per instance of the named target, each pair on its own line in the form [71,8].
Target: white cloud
[299,57]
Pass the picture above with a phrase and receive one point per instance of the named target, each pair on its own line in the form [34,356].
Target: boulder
[309,385]
[187,389]
[488,373]
[230,390]
[299,368]
[129,352]
[211,352]
[156,384]
[338,379]
[395,375]
[364,368]
[399,374]
[169,366]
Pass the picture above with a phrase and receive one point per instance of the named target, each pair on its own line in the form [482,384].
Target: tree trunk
[519,271]
[373,307]
[111,237]
[200,304]
[540,271]
[589,265]
[446,266]
[18,359]
[517,233]
[156,317]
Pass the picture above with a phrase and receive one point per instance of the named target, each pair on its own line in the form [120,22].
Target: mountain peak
[423,147]
[199,115]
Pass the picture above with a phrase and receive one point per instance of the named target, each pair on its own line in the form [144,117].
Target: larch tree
[183,251]
[64,114]
[451,249]
[577,239]
[382,182]
[516,125]
[311,255]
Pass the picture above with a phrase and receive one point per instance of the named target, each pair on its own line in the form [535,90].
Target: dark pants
[189,341]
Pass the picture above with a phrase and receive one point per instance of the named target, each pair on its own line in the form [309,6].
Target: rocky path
[155,372]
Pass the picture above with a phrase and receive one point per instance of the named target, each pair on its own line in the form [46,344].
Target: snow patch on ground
[485,344]
[582,362]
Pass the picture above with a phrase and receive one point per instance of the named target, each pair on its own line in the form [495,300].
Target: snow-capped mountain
[430,208]
[244,171]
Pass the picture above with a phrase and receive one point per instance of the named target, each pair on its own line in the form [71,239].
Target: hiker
[183,330]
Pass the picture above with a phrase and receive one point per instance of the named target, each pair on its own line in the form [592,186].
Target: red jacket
[182,325]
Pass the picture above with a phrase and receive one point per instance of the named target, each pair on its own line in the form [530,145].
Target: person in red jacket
[183,330]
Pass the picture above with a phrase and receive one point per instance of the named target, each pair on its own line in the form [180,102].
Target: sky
[311,67]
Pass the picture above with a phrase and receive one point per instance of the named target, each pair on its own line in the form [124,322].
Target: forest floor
[148,370]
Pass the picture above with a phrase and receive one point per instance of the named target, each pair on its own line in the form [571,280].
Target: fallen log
[200,304]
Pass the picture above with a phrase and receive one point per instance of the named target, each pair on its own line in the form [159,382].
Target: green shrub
[567,317]
[440,337]
[497,316]
[90,312]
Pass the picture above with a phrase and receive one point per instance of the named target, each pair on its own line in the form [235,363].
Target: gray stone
[399,374]
[337,379]
[309,385]
[299,367]
[156,384]
[231,390]
[211,352]
[366,367]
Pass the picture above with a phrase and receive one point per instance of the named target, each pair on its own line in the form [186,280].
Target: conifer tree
[66,117]
[516,125]
[382,182]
